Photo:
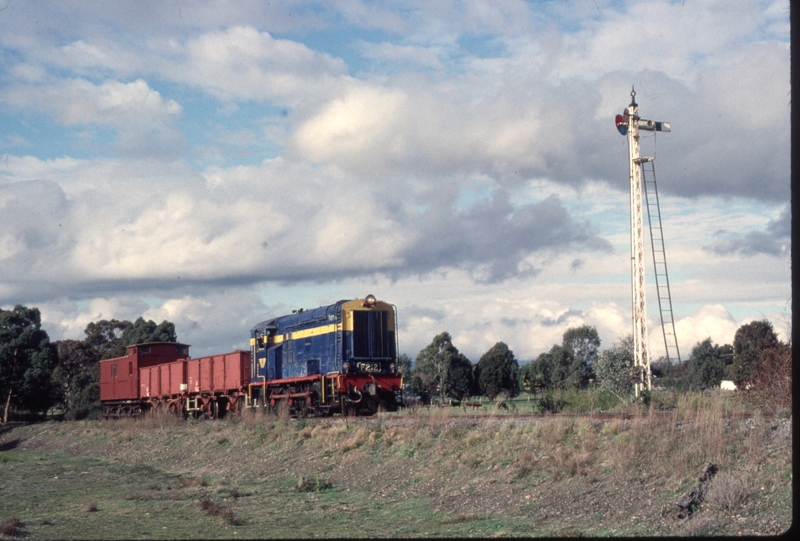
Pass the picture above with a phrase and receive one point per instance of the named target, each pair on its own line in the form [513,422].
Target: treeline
[757,361]
[441,372]
[37,375]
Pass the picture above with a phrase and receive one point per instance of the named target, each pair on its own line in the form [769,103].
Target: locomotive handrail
[396,338]
[306,322]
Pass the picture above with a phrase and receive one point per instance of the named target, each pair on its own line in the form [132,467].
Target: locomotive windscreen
[370,334]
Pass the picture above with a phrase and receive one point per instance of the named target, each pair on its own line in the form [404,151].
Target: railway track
[501,416]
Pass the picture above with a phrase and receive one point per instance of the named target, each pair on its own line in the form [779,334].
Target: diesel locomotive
[340,358]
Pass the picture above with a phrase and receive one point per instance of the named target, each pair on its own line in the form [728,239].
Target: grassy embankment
[437,474]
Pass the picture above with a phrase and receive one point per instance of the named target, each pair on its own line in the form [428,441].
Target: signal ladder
[659,259]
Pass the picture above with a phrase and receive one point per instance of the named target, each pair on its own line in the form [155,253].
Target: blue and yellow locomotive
[337,358]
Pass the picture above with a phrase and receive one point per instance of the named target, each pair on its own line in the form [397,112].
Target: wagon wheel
[238,405]
[212,411]
[225,405]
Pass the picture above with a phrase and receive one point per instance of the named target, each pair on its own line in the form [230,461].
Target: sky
[217,163]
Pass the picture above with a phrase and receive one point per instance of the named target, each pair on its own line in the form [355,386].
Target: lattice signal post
[629,124]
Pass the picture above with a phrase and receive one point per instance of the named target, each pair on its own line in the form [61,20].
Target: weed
[12,527]
[316,484]
[210,507]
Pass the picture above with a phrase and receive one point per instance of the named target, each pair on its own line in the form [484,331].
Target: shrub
[728,490]
[549,404]
[11,527]
[771,382]
[614,367]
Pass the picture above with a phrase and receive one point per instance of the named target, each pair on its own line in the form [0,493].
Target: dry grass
[671,446]
[729,490]
[192,482]
[359,438]
[496,475]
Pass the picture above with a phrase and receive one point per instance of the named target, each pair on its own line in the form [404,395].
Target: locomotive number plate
[369,367]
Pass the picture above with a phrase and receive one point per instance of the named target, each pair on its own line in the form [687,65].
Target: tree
[705,367]
[105,337]
[550,370]
[404,364]
[749,342]
[582,344]
[497,371]
[614,367]
[75,374]
[143,332]
[440,369]
[27,360]
[568,364]
[460,377]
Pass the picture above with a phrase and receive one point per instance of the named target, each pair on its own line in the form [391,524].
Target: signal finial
[633,96]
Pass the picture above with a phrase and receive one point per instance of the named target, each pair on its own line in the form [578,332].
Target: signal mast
[629,123]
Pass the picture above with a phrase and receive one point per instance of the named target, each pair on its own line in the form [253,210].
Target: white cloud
[711,321]
[366,122]
[144,123]
[243,63]
[78,101]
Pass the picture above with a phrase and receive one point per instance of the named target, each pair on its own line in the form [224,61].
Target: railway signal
[629,123]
